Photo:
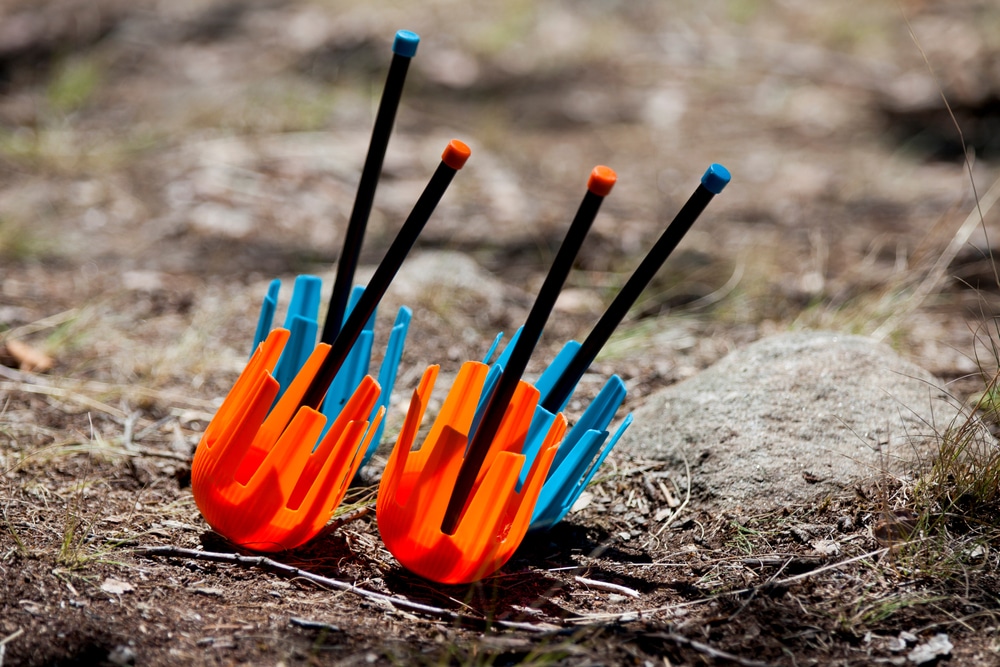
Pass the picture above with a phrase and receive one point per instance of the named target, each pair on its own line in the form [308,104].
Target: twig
[128,429]
[155,453]
[15,375]
[314,625]
[783,561]
[5,640]
[40,325]
[11,637]
[290,571]
[825,568]
[606,586]
[136,451]
[153,427]
[639,613]
[59,392]
[347,517]
[271,565]
[705,649]
[753,595]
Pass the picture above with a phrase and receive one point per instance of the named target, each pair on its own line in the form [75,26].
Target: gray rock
[792,418]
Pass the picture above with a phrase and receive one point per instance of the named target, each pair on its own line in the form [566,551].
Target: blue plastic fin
[355,365]
[301,341]
[387,374]
[302,321]
[266,318]
[305,301]
[562,481]
[579,455]
[600,459]
[597,416]
[551,375]
[507,350]
[352,301]
[493,348]
[541,421]
[563,496]
[349,376]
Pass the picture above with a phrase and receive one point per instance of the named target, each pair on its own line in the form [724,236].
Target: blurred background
[161,161]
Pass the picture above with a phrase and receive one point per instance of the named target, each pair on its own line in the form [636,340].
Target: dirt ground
[161,162]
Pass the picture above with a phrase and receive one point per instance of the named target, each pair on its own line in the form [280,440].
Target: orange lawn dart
[452,511]
[256,476]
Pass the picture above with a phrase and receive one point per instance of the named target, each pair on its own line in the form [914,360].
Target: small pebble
[122,655]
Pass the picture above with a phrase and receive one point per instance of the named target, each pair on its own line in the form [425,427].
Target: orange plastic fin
[459,407]
[282,412]
[330,454]
[233,441]
[290,455]
[263,360]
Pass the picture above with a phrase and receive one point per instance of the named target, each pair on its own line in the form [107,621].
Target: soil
[162,162]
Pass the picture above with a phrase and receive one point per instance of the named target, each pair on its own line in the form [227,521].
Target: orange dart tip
[416,485]
[262,485]
[602,179]
[455,154]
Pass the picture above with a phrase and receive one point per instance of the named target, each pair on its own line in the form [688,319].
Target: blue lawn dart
[302,318]
[589,442]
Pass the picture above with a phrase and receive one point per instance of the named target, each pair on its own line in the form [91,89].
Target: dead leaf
[585,499]
[116,586]
[26,357]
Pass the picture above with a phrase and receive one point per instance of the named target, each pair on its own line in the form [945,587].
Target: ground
[162,162]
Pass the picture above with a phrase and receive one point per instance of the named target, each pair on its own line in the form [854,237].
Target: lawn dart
[452,511]
[587,444]
[302,317]
[256,476]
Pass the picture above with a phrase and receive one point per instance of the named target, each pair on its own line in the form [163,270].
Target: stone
[792,418]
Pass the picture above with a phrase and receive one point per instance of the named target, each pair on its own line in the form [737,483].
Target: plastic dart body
[259,477]
[415,487]
[253,477]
